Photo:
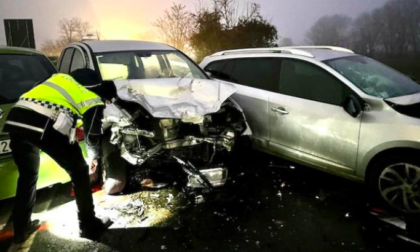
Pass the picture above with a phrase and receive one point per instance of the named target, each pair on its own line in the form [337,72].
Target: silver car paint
[320,135]
[253,98]
[314,129]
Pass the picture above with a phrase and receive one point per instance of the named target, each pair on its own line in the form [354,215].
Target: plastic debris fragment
[170,197]
[199,199]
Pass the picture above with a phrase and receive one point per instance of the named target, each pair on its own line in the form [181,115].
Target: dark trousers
[25,145]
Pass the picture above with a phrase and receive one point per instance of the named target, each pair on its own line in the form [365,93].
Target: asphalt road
[262,208]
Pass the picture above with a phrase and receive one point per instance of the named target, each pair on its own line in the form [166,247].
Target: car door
[254,78]
[307,120]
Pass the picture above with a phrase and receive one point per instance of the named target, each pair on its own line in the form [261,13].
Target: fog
[124,19]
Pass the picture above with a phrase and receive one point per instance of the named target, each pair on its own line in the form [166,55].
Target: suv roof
[318,52]
[18,50]
[99,46]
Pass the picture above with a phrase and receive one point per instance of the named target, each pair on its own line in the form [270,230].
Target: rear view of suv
[331,109]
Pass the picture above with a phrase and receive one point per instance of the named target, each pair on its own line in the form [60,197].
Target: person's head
[90,80]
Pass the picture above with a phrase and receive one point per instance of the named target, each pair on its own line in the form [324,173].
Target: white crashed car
[170,121]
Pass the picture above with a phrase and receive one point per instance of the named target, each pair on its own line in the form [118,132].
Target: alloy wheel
[399,185]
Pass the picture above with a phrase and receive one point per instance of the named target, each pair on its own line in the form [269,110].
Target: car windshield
[19,73]
[147,65]
[374,78]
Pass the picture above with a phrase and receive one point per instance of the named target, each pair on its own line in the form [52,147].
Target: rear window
[19,73]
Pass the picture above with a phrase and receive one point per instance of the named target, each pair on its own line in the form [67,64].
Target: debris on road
[133,207]
[155,195]
[199,199]
[170,197]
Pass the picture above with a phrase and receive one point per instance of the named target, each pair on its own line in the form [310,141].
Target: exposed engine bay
[189,136]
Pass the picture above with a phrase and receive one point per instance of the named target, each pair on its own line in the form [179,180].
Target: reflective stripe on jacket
[63,90]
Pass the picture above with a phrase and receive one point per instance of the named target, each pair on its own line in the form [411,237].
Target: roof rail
[334,48]
[266,50]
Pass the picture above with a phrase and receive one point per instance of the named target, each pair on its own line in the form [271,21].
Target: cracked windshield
[210,125]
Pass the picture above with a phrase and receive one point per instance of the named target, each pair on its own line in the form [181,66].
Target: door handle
[280,110]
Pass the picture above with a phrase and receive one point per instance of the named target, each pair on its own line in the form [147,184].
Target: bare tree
[175,26]
[330,30]
[73,29]
[223,27]
[232,12]
[366,32]
[401,26]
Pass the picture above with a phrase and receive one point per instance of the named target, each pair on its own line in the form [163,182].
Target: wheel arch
[387,153]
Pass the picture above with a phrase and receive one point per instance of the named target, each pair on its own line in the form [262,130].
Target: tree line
[391,30]
[224,25]
[216,25]
[71,30]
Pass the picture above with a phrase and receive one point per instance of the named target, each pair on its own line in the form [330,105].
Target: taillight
[80,134]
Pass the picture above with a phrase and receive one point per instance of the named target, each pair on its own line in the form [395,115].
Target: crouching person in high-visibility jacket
[45,119]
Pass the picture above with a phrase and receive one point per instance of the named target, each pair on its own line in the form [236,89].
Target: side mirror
[209,74]
[353,106]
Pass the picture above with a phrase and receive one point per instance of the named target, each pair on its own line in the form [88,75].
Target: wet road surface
[262,208]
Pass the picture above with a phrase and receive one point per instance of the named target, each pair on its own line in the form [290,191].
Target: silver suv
[331,109]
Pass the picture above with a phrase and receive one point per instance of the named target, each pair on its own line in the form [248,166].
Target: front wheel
[396,181]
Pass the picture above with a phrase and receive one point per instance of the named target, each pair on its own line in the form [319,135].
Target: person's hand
[93,171]
[93,166]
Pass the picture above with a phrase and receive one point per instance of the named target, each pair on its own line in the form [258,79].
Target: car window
[152,68]
[147,65]
[66,60]
[178,66]
[308,81]
[19,73]
[78,61]
[261,73]
[374,78]
[215,67]
[226,71]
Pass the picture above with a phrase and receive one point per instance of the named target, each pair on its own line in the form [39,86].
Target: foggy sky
[122,19]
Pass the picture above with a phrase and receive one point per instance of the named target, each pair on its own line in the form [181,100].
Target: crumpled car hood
[178,98]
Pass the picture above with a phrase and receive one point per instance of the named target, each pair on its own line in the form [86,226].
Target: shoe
[22,237]
[94,229]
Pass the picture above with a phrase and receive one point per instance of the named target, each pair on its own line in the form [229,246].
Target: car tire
[114,168]
[395,182]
